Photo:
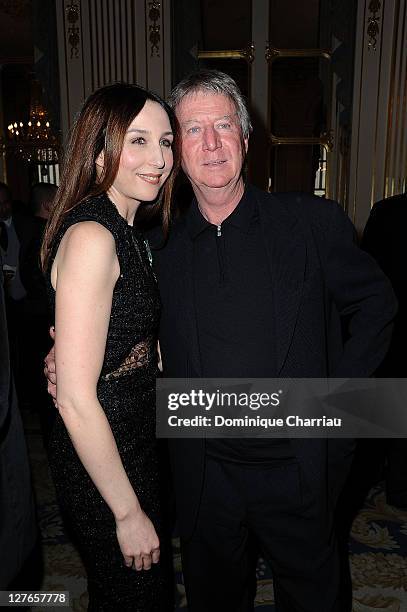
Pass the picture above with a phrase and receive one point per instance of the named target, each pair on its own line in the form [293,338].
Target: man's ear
[246,144]
[100,161]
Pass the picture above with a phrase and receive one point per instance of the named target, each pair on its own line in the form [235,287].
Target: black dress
[126,391]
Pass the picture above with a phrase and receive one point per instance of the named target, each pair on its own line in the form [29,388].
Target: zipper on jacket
[220,247]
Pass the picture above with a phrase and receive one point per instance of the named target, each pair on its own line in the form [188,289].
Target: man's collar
[240,217]
[196,222]
[243,213]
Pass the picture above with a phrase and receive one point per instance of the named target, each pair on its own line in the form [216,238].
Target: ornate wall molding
[378,156]
[72,32]
[373,29]
[154,16]
[103,41]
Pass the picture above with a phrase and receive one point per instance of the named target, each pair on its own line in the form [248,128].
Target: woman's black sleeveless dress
[126,391]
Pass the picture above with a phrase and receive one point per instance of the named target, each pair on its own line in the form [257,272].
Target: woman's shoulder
[89,244]
[94,217]
[86,245]
[98,209]
[88,232]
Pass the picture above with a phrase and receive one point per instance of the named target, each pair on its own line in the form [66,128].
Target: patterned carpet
[378,549]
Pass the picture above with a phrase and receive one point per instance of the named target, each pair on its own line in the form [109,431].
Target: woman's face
[146,160]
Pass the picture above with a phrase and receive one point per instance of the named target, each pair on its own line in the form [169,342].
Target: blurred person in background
[41,198]
[16,234]
[384,239]
[18,530]
[35,317]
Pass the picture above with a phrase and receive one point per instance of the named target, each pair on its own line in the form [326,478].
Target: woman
[103,448]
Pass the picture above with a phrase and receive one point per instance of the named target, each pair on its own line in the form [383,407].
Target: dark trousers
[293,530]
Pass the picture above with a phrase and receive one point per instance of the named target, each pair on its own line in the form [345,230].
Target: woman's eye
[139,140]
[166,143]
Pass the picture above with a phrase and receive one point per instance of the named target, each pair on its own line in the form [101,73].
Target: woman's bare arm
[84,274]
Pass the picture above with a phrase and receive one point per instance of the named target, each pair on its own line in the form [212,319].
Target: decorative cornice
[373,29]
[155,28]
[72,17]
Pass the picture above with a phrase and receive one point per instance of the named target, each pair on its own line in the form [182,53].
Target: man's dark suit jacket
[18,531]
[25,229]
[385,239]
[319,279]
[29,231]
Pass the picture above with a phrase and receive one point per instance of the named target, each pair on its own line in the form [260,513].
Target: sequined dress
[126,391]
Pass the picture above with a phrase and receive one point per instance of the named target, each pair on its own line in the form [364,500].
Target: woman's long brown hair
[101,126]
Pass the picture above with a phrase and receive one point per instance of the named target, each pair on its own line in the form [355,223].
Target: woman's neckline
[123,219]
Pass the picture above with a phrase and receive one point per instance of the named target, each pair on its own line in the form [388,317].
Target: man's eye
[193,130]
[166,143]
[224,126]
[139,140]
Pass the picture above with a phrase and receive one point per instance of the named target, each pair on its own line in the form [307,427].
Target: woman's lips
[152,179]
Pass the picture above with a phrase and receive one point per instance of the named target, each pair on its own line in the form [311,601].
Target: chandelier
[34,140]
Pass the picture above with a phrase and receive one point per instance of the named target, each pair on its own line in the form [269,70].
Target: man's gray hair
[213,81]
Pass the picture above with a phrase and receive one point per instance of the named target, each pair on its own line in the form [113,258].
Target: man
[16,234]
[41,197]
[26,301]
[254,286]
[384,239]
[36,315]
[18,529]
[14,229]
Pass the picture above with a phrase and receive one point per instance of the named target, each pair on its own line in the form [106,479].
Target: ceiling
[16,36]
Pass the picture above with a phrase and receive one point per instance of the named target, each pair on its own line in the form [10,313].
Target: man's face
[212,155]
[5,205]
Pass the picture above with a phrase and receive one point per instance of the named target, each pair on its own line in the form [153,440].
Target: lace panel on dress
[139,356]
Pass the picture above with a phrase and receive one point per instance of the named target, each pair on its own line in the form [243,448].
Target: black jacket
[18,531]
[30,232]
[320,279]
[385,239]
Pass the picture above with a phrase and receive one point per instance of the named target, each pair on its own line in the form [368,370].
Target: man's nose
[211,140]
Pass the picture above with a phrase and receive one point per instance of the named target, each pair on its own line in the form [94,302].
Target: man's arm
[4,360]
[362,295]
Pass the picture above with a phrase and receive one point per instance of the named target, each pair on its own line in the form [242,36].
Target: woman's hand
[160,361]
[138,540]
[49,368]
